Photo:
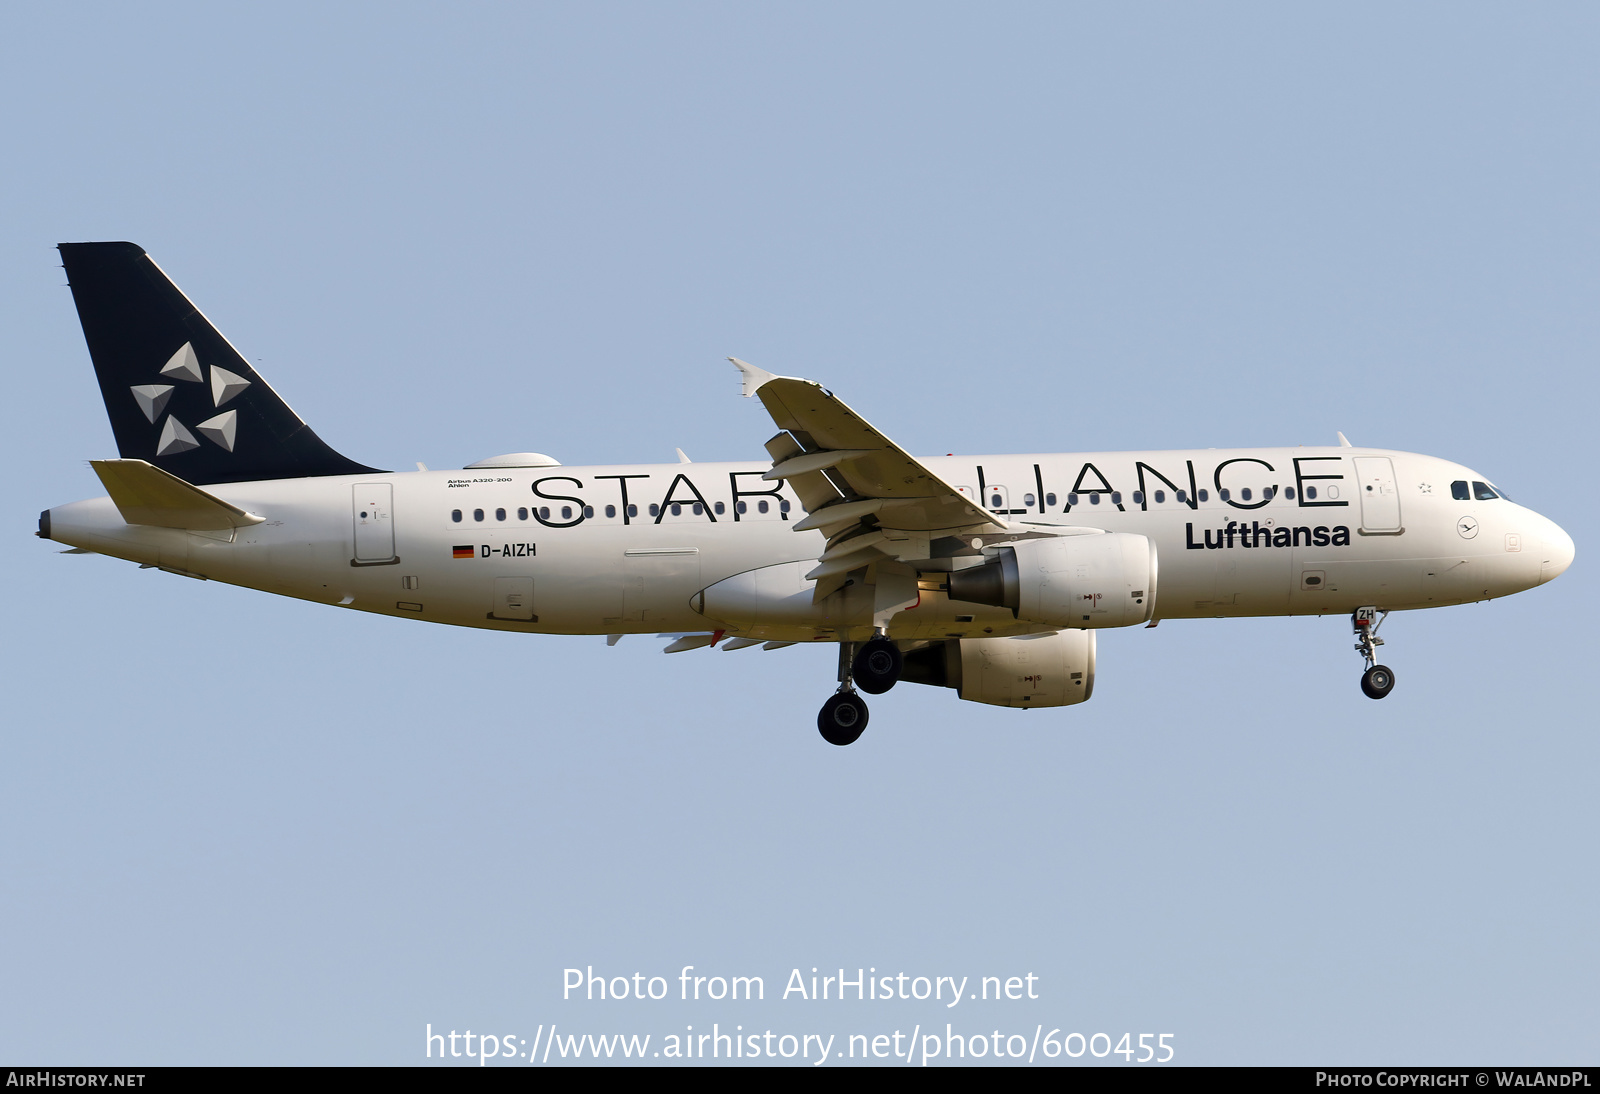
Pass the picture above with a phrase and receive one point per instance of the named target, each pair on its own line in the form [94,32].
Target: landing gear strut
[1378,680]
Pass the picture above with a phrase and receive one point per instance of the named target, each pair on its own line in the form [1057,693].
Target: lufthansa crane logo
[1467,526]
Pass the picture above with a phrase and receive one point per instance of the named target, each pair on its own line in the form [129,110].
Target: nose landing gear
[1378,680]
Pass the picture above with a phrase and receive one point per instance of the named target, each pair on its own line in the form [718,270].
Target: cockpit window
[1458,490]
[1482,491]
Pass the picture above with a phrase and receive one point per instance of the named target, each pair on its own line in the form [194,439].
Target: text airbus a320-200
[986,574]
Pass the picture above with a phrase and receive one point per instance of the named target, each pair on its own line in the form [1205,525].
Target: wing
[868,496]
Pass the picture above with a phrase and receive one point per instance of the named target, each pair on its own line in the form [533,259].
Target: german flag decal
[462,552]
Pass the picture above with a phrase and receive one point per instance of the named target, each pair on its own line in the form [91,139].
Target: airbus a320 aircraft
[987,574]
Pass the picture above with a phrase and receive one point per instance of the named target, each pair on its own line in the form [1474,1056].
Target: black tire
[1377,681]
[843,719]
[877,666]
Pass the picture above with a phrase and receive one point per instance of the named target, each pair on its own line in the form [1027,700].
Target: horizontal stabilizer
[145,494]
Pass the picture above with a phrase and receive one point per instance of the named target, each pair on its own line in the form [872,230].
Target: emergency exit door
[1380,499]
[374,520]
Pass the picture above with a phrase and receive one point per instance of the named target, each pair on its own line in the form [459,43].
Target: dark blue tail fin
[179,396]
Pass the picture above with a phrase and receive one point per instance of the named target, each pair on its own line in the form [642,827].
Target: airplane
[988,575]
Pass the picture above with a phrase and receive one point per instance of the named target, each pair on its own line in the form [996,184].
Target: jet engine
[1083,581]
[1031,670]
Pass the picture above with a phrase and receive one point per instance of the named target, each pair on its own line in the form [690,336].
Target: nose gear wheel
[1377,681]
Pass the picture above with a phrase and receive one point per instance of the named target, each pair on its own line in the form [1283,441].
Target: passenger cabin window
[1028,500]
[1205,495]
[761,506]
[611,510]
[1245,493]
[1161,496]
[455,515]
[1181,498]
[544,512]
[677,510]
[499,514]
[1072,499]
[1138,497]
[1311,493]
[1288,492]
[1049,499]
[522,512]
[588,511]
[1094,499]
[1116,497]
[655,510]
[1482,491]
[633,511]
[743,507]
[783,505]
[721,509]
[1223,494]
[477,514]
[566,512]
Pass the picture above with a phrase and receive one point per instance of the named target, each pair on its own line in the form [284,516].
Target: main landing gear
[1378,680]
[874,667]
[843,718]
[877,666]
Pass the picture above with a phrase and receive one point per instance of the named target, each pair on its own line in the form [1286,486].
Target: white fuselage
[492,548]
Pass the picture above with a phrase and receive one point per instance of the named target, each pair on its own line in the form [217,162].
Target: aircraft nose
[1558,552]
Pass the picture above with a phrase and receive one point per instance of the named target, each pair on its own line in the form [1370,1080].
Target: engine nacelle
[1105,580]
[1030,670]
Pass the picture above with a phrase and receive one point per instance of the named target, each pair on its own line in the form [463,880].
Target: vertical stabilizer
[178,394]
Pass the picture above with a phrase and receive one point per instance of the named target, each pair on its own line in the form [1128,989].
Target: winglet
[753,377]
[1344,442]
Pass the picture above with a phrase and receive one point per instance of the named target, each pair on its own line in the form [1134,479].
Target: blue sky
[240,828]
